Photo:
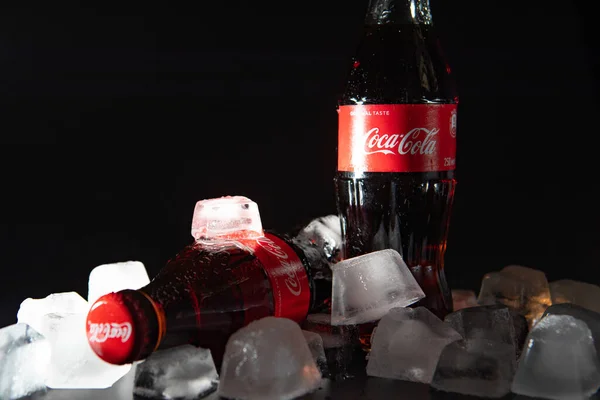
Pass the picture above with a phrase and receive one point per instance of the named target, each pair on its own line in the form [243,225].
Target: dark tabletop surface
[361,387]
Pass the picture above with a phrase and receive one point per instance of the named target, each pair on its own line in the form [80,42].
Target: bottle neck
[381,12]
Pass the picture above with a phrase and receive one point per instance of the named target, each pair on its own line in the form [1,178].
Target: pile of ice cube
[508,338]
[520,335]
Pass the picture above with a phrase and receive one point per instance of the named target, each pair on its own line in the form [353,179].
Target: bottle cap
[111,328]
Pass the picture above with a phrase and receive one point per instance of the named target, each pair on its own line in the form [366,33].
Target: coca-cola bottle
[211,289]
[397,144]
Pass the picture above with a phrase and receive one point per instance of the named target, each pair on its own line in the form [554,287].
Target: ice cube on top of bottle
[184,371]
[107,278]
[268,359]
[366,287]
[583,294]
[407,343]
[24,359]
[61,319]
[559,360]
[228,217]
[522,288]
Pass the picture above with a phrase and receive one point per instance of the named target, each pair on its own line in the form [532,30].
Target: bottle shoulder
[399,64]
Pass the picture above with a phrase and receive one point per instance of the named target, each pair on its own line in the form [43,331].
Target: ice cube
[315,344]
[559,360]
[61,319]
[476,367]
[522,288]
[184,371]
[591,318]
[366,287]
[345,359]
[24,359]
[228,217]
[581,293]
[463,299]
[268,359]
[407,344]
[33,311]
[109,278]
[485,322]
[325,233]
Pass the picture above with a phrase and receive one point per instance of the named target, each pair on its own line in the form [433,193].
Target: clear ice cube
[580,293]
[24,360]
[61,319]
[182,372]
[522,288]
[325,233]
[463,299]
[268,359]
[407,344]
[476,367]
[107,278]
[366,287]
[485,322]
[591,318]
[228,217]
[315,344]
[559,360]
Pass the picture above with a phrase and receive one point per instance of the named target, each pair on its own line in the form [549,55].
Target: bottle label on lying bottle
[397,138]
[286,273]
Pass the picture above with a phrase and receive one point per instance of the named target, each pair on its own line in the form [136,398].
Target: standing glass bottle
[397,145]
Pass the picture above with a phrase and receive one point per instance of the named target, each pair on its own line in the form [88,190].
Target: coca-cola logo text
[291,281]
[416,141]
[100,333]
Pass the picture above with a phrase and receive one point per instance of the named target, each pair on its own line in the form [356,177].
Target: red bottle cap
[110,328]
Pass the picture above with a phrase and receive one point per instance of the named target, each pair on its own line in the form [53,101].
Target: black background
[116,120]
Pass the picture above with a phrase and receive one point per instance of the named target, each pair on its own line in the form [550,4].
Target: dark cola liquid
[408,212]
[209,293]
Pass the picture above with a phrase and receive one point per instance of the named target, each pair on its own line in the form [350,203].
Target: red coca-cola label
[397,138]
[289,282]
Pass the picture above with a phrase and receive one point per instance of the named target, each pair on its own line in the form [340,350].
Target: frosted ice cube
[24,359]
[559,360]
[591,318]
[522,288]
[180,372]
[325,233]
[476,367]
[463,299]
[315,344]
[268,359]
[228,217]
[485,322]
[109,278]
[61,319]
[407,344]
[33,311]
[366,287]
[120,390]
[581,293]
